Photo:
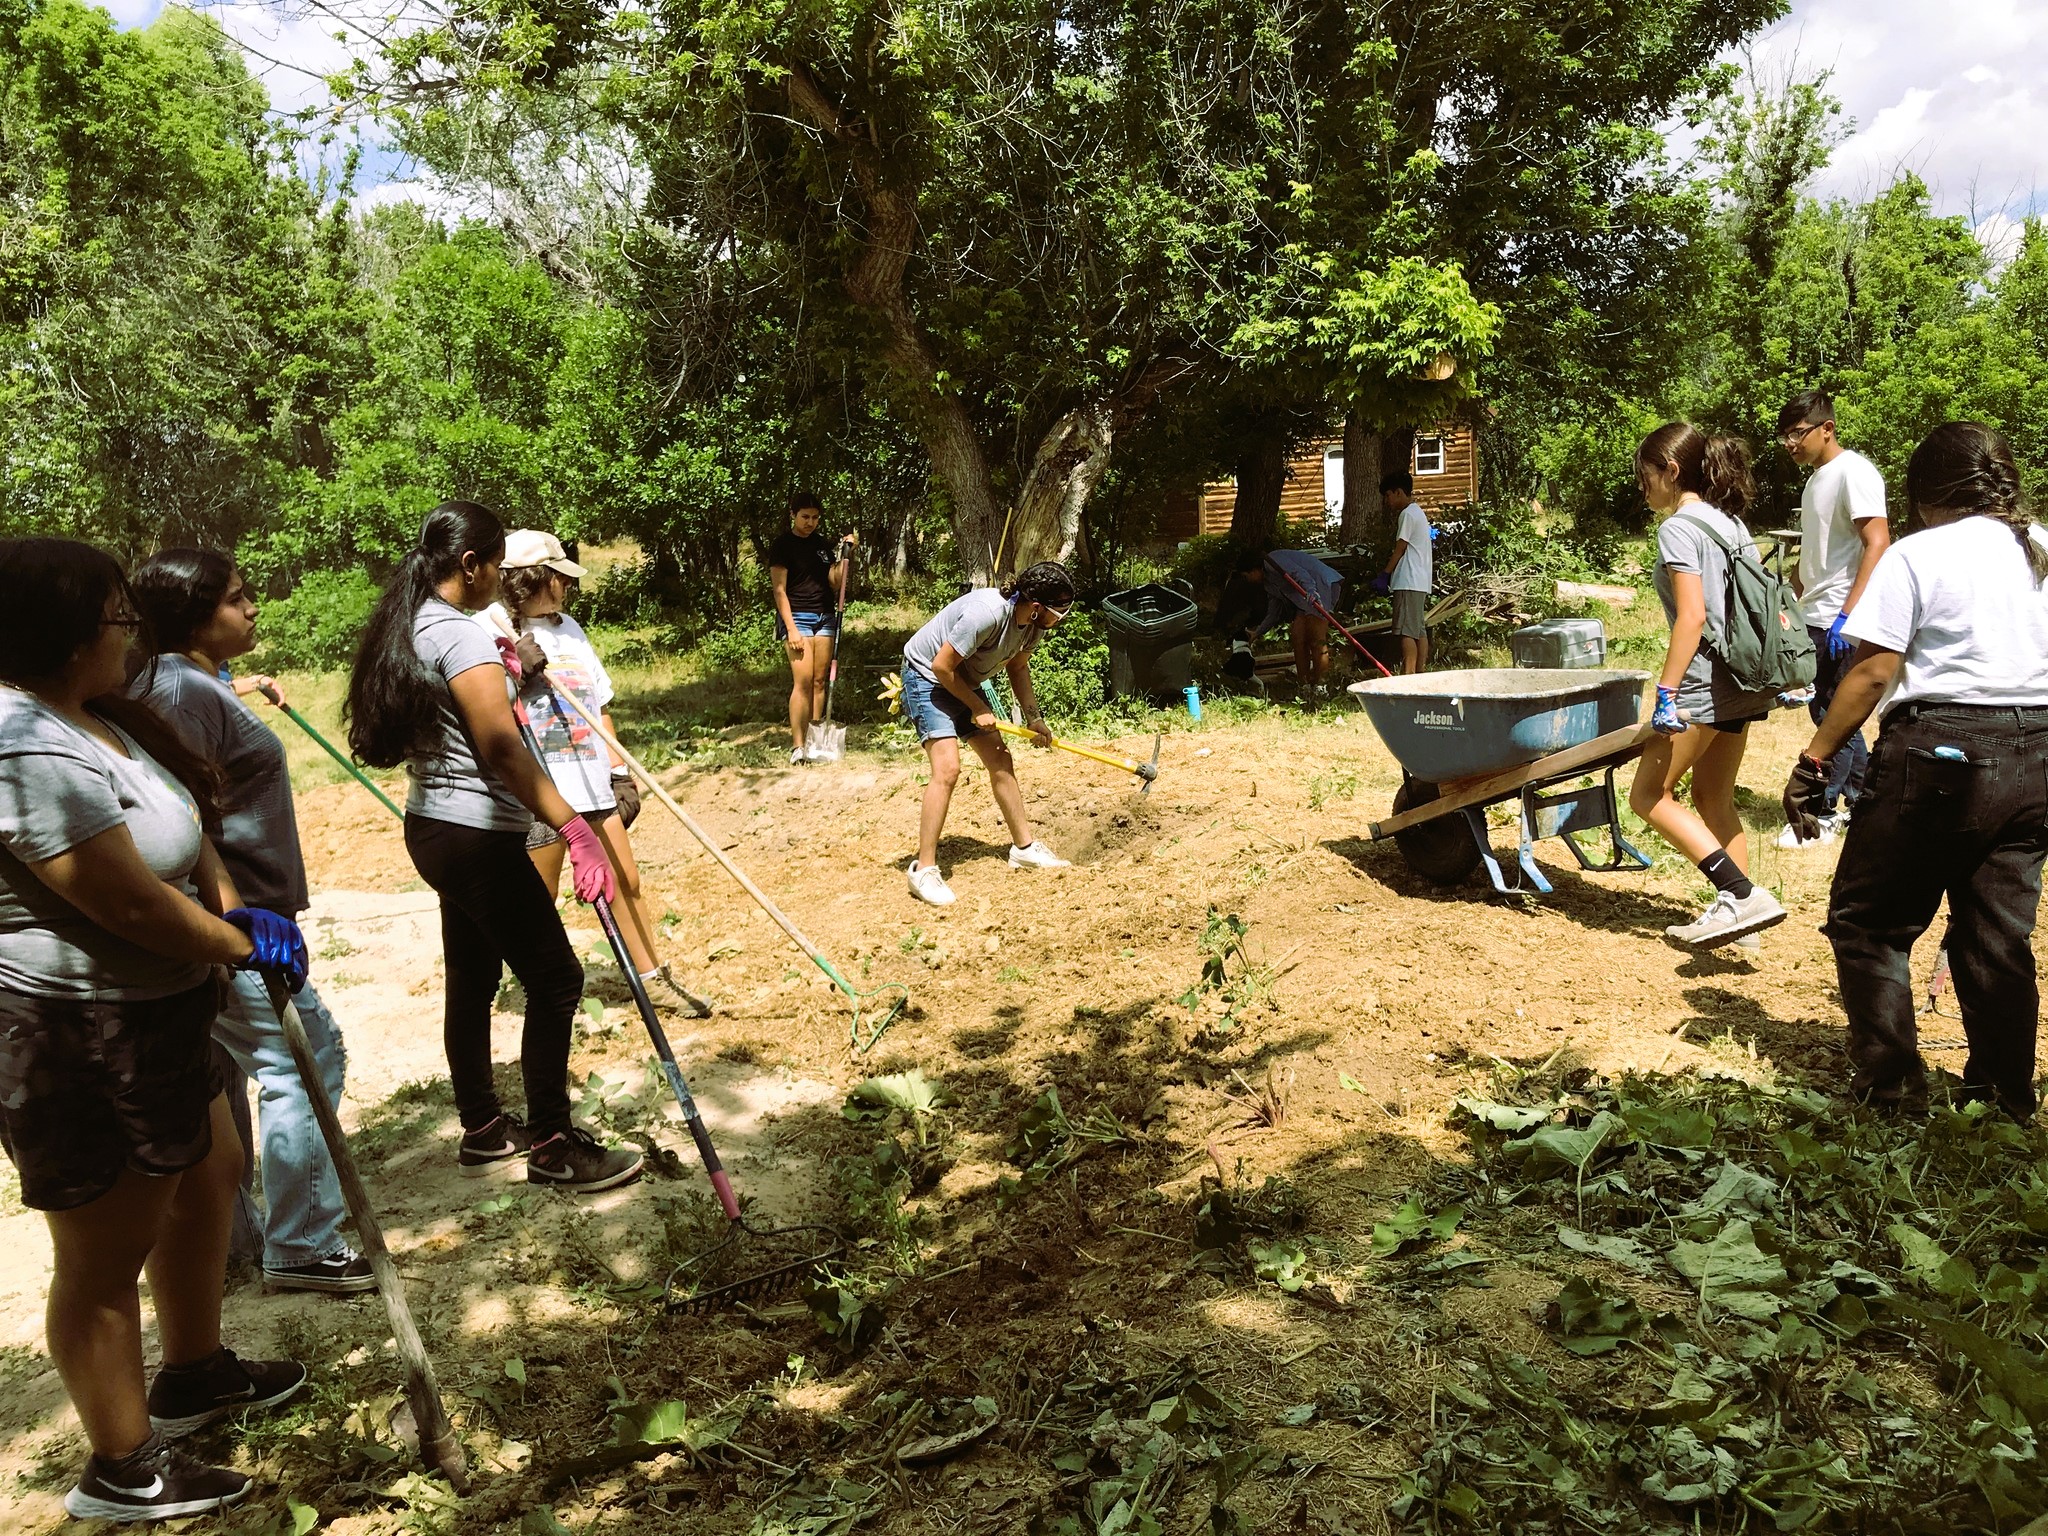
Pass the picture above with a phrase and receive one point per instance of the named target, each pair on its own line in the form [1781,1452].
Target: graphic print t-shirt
[575,759]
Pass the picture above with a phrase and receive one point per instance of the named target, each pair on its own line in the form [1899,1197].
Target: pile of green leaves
[1049,1140]
[1858,1344]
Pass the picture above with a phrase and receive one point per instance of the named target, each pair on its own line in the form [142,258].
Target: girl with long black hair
[1702,486]
[114,911]
[1952,651]
[201,616]
[430,689]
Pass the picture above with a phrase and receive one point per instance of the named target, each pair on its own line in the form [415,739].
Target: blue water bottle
[1194,697]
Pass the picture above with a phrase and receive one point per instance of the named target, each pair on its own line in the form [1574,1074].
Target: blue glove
[280,947]
[1839,646]
[1380,583]
[1665,717]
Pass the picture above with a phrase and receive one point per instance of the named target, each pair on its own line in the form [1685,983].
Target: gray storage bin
[1559,643]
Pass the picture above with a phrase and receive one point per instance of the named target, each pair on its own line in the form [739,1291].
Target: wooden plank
[1601,752]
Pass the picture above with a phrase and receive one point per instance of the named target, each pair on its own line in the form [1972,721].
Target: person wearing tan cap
[533,584]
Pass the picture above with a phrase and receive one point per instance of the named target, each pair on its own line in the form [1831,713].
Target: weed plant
[1794,1316]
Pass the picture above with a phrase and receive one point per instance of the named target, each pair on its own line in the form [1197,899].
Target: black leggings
[495,912]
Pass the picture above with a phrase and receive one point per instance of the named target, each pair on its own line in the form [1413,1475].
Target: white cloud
[1955,94]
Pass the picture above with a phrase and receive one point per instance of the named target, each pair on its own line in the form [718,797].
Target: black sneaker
[574,1159]
[156,1481]
[498,1142]
[339,1274]
[184,1398]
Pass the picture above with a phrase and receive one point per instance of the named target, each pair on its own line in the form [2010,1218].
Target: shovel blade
[824,743]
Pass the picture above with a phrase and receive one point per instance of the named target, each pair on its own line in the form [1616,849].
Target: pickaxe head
[1149,772]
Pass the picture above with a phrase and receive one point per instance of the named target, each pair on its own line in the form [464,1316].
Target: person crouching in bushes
[807,577]
[1702,487]
[432,690]
[945,665]
[201,615]
[114,911]
[1951,647]
[533,585]
[1292,584]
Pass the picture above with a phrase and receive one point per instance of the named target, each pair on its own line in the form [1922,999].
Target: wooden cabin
[1445,464]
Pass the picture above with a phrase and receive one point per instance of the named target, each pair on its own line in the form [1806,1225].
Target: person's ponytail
[394,704]
[1967,467]
[1725,477]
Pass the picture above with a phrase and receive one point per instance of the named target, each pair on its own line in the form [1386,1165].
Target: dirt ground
[1391,997]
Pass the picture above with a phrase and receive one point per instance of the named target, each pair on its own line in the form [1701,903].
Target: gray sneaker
[1728,920]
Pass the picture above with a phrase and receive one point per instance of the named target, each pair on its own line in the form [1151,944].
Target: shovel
[825,742]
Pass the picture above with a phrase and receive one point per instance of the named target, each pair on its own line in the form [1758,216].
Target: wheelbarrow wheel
[1440,850]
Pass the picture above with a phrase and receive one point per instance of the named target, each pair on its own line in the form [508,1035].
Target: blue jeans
[934,710]
[1846,769]
[302,1197]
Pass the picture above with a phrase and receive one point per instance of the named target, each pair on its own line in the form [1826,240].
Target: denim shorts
[807,624]
[934,710]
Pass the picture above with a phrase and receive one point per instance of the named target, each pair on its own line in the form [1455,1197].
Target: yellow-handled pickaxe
[892,695]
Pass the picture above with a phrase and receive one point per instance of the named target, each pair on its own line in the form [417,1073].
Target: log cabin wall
[1445,466]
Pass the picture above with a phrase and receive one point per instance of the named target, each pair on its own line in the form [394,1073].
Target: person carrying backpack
[1952,652]
[1735,639]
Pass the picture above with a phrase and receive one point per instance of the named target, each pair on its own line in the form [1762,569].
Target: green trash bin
[1151,641]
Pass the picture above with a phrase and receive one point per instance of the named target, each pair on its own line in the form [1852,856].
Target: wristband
[1816,764]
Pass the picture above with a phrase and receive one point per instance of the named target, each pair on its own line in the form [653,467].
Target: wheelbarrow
[1473,739]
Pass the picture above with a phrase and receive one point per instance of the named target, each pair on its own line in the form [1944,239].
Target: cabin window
[1429,455]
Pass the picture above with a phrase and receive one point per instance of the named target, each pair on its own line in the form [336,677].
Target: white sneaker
[927,884]
[1749,941]
[1035,855]
[1728,920]
[1830,826]
[798,757]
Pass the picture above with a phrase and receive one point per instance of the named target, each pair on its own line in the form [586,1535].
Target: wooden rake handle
[438,1443]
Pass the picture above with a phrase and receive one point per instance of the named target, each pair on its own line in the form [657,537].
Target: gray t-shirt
[60,787]
[982,627]
[258,835]
[1707,692]
[454,784]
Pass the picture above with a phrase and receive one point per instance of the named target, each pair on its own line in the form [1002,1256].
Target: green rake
[864,1033]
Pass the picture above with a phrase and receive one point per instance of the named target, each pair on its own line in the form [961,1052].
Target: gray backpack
[1763,643]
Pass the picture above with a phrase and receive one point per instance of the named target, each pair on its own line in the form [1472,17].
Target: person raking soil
[430,689]
[807,574]
[534,584]
[945,665]
[1701,487]
[1290,602]
[201,616]
[114,912]
[1951,645]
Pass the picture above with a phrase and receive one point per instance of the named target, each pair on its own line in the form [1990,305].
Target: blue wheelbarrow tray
[1470,739]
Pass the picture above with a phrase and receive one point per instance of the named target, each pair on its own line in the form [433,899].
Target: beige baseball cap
[529,546]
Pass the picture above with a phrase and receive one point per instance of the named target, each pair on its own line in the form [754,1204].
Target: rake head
[823,1245]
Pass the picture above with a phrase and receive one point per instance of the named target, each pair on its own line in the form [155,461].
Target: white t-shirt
[1418,561]
[1843,492]
[1960,605]
[575,759]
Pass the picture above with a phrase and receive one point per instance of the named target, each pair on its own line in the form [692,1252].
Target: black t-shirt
[809,563]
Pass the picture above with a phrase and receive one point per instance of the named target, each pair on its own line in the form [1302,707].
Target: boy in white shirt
[1843,534]
[1411,568]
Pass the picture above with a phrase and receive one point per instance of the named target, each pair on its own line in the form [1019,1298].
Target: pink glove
[590,872]
[509,654]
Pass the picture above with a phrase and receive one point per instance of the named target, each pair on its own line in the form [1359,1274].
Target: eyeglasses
[130,622]
[1048,616]
[1792,437]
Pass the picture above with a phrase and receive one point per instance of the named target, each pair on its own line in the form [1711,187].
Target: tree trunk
[1068,465]
[1361,481]
[875,282]
[1397,452]
[1261,476]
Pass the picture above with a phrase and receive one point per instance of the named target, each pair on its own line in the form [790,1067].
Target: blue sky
[1956,93]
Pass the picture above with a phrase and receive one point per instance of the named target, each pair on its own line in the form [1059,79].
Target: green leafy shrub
[746,643]
[316,628]
[1070,667]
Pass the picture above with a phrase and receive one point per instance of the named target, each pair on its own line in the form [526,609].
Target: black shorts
[1736,727]
[90,1088]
